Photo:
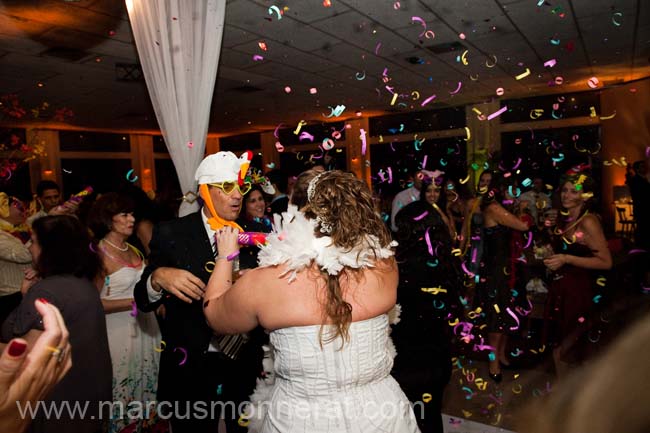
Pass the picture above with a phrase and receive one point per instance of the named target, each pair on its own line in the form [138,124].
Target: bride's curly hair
[344,208]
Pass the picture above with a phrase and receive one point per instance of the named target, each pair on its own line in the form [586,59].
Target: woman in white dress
[133,336]
[327,281]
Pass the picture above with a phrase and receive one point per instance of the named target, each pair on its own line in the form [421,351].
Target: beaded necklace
[121,261]
[559,232]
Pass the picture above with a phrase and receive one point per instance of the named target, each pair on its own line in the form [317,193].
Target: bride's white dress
[328,387]
[330,390]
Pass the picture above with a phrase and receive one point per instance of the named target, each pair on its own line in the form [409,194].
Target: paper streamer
[497,113]
[523,74]
[460,84]
[429,99]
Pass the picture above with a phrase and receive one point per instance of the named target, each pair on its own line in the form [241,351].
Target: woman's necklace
[572,226]
[126,246]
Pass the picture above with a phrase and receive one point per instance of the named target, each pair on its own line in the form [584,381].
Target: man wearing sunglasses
[194,370]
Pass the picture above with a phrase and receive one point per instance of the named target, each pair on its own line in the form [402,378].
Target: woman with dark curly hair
[66,268]
[580,248]
[327,281]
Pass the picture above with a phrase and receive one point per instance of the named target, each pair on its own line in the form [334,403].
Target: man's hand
[179,282]
[68,208]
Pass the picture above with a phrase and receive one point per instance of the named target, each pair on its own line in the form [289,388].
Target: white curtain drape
[178,43]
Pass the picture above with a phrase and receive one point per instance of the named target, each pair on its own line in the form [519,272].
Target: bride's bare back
[280,304]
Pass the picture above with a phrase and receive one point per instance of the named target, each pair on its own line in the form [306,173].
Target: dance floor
[458,425]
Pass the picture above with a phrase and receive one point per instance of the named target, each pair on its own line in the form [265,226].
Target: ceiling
[67,53]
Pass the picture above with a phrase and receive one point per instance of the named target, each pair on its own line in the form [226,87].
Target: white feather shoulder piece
[293,243]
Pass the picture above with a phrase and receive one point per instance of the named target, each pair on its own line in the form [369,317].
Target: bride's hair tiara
[312,186]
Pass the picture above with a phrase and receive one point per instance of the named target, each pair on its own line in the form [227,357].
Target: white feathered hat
[223,167]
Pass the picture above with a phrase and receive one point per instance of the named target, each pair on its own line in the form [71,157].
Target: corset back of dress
[304,369]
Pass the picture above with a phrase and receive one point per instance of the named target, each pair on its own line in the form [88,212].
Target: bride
[326,283]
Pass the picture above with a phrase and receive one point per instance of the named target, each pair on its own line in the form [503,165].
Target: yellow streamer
[523,74]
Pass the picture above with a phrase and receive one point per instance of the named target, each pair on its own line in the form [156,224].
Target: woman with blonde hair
[326,283]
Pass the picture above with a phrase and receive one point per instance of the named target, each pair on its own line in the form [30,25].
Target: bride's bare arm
[234,311]
[226,308]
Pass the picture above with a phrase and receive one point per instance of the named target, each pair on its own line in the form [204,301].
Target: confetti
[257,58]
[362,137]
[460,84]
[162,346]
[184,355]
[134,308]
[429,99]
[616,14]
[523,74]
[328,144]
[593,82]
[497,113]
[275,9]
[422,22]
[550,63]
[129,176]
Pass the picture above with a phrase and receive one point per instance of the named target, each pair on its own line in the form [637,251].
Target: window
[75,141]
[103,175]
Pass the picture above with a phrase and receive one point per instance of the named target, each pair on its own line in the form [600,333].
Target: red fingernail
[17,348]
[43,300]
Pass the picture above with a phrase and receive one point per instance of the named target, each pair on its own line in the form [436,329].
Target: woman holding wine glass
[580,247]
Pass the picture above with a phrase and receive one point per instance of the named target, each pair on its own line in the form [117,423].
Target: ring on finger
[59,352]
[61,355]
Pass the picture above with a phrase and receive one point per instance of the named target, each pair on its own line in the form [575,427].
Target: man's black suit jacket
[181,243]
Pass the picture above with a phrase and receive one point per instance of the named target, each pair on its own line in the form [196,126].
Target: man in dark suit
[197,380]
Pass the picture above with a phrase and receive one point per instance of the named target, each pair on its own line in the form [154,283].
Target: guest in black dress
[428,292]
[66,269]
[496,287]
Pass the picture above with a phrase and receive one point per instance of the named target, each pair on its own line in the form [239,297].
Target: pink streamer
[460,84]
[390,175]
[419,217]
[429,99]
[497,113]
[530,239]
[428,239]
[362,136]
[514,316]
[467,271]
[275,133]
